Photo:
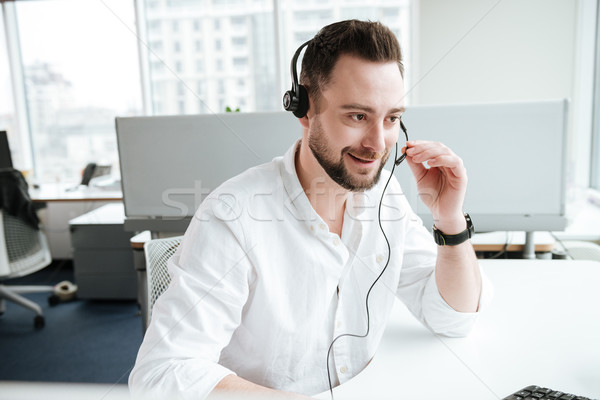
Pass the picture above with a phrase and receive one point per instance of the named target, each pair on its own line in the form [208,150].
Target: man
[278,261]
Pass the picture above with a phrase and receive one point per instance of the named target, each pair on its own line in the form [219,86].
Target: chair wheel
[39,322]
[53,300]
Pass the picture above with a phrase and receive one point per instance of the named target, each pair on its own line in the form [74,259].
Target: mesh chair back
[24,249]
[157,253]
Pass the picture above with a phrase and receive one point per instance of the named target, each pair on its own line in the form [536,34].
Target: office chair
[157,253]
[581,250]
[23,250]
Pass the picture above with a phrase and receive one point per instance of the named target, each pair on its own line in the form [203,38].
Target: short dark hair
[371,41]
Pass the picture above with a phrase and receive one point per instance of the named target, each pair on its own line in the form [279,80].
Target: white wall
[470,51]
[490,50]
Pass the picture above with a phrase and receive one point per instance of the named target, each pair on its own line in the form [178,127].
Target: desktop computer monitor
[5,156]
[515,156]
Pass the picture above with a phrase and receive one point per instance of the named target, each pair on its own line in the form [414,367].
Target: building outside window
[79,73]
[81,66]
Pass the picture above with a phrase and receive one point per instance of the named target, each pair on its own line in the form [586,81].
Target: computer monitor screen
[170,163]
[5,156]
[515,156]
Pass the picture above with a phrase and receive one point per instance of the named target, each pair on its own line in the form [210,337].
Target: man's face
[358,121]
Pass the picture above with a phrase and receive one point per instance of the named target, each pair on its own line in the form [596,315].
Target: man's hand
[442,186]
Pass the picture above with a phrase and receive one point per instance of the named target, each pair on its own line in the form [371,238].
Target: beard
[335,166]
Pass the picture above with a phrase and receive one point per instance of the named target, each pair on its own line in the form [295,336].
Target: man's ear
[304,122]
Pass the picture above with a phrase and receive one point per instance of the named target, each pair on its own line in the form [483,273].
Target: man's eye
[394,119]
[358,117]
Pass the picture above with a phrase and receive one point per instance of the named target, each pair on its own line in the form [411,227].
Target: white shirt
[261,287]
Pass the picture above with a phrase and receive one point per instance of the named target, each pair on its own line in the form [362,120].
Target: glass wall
[84,62]
[80,67]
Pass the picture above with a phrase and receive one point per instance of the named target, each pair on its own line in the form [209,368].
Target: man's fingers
[447,161]
[417,168]
[427,150]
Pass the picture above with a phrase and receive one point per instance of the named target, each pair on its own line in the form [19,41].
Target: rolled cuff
[442,319]
[189,379]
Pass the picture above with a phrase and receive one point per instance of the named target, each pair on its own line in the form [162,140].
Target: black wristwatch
[452,240]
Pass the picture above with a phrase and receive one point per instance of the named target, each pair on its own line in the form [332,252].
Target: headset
[296,101]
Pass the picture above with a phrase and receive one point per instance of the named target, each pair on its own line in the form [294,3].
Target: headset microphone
[399,160]
[296,100]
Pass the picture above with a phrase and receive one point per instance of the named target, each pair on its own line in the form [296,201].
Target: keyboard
[541,393]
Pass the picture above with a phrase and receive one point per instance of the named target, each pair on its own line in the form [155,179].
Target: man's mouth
[363,160]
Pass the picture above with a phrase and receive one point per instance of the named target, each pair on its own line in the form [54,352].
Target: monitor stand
[529,249]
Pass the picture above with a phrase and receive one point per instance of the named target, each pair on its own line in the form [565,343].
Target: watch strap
[452,240]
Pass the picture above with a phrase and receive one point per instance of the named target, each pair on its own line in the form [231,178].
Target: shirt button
[338,324]
[336,242]
[322,226]
[312,228]
[343,370]
[379,258]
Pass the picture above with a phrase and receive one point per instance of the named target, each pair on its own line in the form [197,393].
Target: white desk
[56,192]
[62,206]
[543,328]
[513,241]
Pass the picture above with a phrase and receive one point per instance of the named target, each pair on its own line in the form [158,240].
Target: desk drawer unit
[103,260]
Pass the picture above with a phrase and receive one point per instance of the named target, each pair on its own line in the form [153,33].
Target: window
[199,66]
[79,73]
[8,120]
[239,42]
[595,164]
[227,33]
[156,46]
[79,67]
[238,21]
[304,21]
[200,88]
[240,62]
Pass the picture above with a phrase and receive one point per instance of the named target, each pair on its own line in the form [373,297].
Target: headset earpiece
[296,99]
[297,103]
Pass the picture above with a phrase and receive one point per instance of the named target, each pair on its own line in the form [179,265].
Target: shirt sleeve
[417,287]
[194,319]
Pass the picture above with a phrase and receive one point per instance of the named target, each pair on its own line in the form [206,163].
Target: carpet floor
[93,341]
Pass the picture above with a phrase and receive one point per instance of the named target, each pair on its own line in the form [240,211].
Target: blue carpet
[82,341]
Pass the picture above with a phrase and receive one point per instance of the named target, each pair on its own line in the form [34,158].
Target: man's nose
[374,138]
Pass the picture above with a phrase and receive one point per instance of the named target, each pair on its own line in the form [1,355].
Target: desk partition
[514,153]
[170,163]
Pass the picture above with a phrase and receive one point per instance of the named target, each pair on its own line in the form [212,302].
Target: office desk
[61,206]
[514,241]
[57,192]
[542,328]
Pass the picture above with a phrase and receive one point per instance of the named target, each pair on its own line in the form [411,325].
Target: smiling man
[264,305]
